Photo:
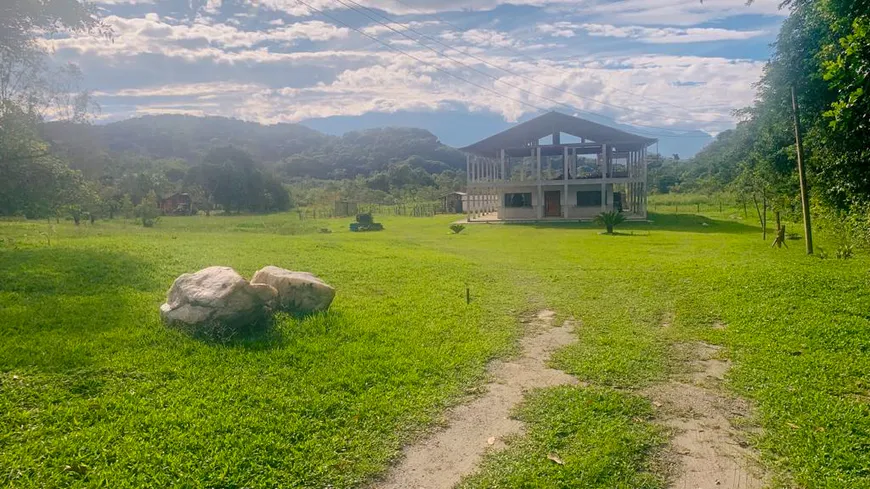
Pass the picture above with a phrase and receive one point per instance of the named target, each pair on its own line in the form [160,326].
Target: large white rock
[299,292]
[217,295]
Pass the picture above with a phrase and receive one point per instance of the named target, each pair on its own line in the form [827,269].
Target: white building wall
[520,213]
[573,212]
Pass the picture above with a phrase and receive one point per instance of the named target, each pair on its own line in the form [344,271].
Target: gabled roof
[553,122]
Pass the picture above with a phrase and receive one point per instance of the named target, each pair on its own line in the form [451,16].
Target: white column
[631,187]
[467,170]
[637,181]
[603,197]
[503,165]
[645,183]
[523,173]
[565,191]
[540,210]
[574,162]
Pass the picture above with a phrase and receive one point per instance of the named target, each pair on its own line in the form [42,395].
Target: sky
[463,69]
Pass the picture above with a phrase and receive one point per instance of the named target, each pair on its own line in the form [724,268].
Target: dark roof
[532,130]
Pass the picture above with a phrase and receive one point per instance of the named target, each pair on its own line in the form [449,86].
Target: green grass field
[94,391]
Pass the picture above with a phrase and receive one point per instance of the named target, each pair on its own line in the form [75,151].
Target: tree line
[823,54]
[73,169]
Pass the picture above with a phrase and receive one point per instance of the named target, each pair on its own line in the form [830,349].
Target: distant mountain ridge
[292,150]
[459,128]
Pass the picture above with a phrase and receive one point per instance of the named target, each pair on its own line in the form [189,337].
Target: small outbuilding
[177,204]
[454,203]
[344,208]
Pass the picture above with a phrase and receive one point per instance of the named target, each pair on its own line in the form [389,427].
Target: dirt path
[708,451]
[442,459]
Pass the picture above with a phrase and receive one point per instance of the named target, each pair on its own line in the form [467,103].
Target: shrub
[844,251]
[609,219]
[147,211]
[457,228]
[365,222]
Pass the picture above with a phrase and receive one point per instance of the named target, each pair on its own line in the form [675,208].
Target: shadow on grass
[277,331]
[694,223]
[689,223]
[81,272]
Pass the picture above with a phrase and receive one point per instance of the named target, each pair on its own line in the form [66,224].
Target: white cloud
[481,38]
[151,35]
[653,35]
[710,88]
[670,12]
[644,12]
[213,6]
[262,80]
[124,2]
[392,27]
[183,90]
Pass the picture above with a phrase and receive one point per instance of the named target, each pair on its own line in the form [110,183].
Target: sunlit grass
[94,391]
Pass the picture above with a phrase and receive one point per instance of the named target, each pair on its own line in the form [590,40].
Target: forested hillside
[81,169]
[823,56]
[292,150]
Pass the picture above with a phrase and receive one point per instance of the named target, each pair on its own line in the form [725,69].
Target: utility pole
[805,198]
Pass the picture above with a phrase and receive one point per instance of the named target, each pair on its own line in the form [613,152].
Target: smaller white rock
[299,292]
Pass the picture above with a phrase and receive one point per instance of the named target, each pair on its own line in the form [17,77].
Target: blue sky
[461,68]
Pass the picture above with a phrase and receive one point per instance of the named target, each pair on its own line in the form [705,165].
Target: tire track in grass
[707,451]
[443,458]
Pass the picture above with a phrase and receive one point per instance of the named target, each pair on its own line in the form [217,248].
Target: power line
[498,80]
[407,27]
[523,55]
[442,70]
[438,68]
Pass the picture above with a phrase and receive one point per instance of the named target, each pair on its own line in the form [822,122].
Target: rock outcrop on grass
[217,297]
[298,292]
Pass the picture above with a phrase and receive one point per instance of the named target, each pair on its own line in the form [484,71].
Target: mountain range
[291,150]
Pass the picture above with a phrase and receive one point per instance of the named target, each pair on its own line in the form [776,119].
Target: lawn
[94,391]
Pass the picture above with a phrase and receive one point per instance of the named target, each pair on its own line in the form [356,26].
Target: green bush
[457,228]
[365,222]
[844,252]
[609,219]
[147,211]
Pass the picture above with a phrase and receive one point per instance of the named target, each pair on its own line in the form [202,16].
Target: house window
[518,200]
[589,198]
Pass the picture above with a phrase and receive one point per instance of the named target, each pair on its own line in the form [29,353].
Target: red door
[552,203]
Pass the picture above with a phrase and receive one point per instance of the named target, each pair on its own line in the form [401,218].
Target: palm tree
[609,219]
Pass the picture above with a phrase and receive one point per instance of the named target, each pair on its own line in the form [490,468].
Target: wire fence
[698,203]
[424,209]
[407,210]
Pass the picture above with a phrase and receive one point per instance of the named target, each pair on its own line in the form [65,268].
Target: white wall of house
[588,212]
[519,213]
[573,211]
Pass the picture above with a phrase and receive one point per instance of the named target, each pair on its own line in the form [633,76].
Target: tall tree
[36,183]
